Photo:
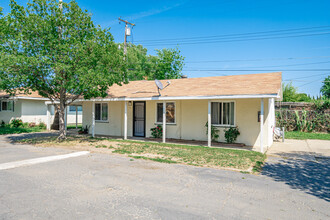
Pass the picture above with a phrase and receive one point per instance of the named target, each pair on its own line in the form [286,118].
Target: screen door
[139,119]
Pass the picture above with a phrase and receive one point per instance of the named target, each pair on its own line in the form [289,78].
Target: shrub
[157,132]
[32,124]
[3,124]
[16,123]
[214,132]
[303,120]
[84,130]
[321,105]
[42,125]
[231,134]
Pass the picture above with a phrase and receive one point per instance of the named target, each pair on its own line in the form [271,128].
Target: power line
[304,77]
[257,70]
[228,41]
[251,60]
[298,64]
[309,82]
[230,35]
[297,80]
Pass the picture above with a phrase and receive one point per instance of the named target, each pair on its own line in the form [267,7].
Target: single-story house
[33,108]
[185,105]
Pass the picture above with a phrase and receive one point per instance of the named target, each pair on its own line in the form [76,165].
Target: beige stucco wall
[7,116]
[114,125]
[33,111]
[191,116]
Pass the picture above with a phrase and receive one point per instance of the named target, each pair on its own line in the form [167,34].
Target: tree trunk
[61,114]
[55,124]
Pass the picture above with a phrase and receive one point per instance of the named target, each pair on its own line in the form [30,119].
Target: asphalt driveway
[102,186]
[301,164]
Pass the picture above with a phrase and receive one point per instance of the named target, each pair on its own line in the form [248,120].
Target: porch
[183,121]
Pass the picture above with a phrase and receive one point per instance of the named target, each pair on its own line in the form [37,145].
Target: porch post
[125,122]
[48,118]
[76,116]
[271,121]
[209,137]
[262,125]
[66,118]
[93,119]
[164,121]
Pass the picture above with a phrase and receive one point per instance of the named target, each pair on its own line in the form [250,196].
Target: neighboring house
[132,109]
[32,108]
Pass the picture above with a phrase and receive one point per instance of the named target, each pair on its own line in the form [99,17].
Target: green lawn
[74,126]
[306,135]
[24,129]
[159,152]
[192,155]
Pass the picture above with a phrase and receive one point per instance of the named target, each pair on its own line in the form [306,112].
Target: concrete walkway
[301,149]
[301,164]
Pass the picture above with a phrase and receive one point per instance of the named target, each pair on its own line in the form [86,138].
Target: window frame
[74,109]
[224,125]
[156,112]
[101,121]
[13,107]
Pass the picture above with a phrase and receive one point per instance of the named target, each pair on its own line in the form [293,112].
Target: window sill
[161,123]
[224,126]
[101,121]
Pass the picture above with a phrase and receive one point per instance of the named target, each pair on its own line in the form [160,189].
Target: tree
[54,48]
[167,64]
[325,89]
[290,94]
[138,62]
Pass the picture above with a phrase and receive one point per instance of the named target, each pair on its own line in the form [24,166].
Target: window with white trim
[170,113]
[101,111]
[72,108]
[7,105]
[223,113]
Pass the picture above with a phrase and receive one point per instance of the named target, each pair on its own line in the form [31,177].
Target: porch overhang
[165,98]
[25,98]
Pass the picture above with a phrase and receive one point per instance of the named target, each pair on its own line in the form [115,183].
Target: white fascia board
[29,98]
[57,102]
[161,98]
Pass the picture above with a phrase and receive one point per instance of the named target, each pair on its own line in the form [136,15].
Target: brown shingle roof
[251,84]
[21,94]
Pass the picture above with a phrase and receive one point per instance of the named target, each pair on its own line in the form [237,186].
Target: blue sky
[157,20]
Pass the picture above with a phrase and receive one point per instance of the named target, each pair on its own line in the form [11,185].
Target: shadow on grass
[312,177]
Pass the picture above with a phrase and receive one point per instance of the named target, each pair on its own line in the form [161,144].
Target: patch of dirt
[85,146]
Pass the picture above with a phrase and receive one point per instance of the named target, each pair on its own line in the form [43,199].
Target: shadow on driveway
[17,137]
[312,177]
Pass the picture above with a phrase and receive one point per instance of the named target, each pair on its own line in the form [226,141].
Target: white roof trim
[74,103]
[28,98]
[184,98]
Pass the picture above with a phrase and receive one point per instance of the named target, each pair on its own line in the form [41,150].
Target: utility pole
[127,33]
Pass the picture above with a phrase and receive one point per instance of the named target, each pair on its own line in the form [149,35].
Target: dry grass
[167,153]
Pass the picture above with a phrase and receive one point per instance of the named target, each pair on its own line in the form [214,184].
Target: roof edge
[275,95]
[28,98]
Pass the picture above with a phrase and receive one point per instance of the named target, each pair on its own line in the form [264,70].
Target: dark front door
[139,115]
